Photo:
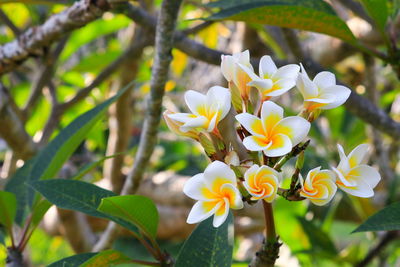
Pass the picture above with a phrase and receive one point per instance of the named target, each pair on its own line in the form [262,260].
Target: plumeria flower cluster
[267,137]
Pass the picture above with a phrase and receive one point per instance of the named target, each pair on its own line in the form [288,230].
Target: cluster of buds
[267,138]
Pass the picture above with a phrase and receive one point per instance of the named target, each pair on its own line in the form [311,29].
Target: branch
[163,47]
[36,39]
[12,129]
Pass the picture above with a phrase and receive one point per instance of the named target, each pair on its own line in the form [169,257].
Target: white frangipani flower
[215,191]
[233,73]
[319,186]
[273,134]
[322,92]
[207,110]
[262,182]
[353,175]
[272,81]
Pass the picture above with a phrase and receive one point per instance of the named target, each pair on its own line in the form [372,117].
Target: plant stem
[269,223]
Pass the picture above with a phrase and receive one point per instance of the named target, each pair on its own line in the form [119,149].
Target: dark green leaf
[17,186]
[53,156]
[138,210]
[208,246]
[78,196]
[320,241]
[73,261]
[2,235]
[378,11]
[39,211]
[106,258]
[309,15]
[386,219]
[8,208]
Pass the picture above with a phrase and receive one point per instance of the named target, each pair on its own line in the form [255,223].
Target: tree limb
[34,40]
[12,129]
[163,46]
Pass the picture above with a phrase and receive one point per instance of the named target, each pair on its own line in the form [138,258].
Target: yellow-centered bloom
[322,92]
[353,175]
[207,110]
[262,182]
[233,73]
[272,81]
[273,134]
[319,186]
[215,191]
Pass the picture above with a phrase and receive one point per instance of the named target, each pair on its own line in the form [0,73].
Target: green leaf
[309,15]
[320,241]
[2,236]
[378,11]
[386,219]
[8,208]
[17,186]
[138,210]
[73,261]
[90,166]
[39,211]
[106,258]
[208,246]
[78,196]
[53,156]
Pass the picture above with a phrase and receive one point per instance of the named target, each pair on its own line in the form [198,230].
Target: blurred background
[84,66]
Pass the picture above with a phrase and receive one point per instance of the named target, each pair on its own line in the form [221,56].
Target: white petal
[287,72]
[228,67]
[324,79]
[251,123]
[306,87]
[249,71]
[341,93]
[221,97]
[358,155]
[181,117]
[367,174]
[361,190]
[255,143]
[281,145]
[342,179]
[212,124]
[294,127]
[323,99]
[216,170]
[243,57]
[220,219]
[194,186]
[198,213]
[196,122]
[237,202]
[344,164]
[271,114]
[261,84]
[195,100]
[267,67]
[310,175]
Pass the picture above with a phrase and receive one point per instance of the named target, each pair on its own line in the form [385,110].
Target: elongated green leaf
[89,167]
[106,258]
[378,10]
[39,211]
[138,210]
[8,208]
[320,241]
[73,261]
[78,196]
[208,246]
[309,15]
[53,156]
[17,186]
[386,219]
